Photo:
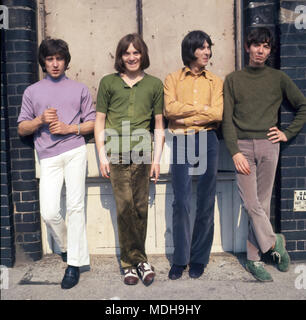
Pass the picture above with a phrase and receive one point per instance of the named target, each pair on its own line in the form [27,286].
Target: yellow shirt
[193,98]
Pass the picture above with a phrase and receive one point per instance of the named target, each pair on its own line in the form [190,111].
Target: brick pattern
[7,234]
[293,154]
[21,70]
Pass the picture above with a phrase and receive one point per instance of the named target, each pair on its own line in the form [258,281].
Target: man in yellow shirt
[194,107]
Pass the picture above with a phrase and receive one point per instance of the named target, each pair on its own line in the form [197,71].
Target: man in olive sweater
[252,98]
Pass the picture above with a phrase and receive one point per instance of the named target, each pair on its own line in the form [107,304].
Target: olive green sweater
[252,98]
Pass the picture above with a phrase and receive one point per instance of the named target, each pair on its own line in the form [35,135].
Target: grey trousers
[256,190]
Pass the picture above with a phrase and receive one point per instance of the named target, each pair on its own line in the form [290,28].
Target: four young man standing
[58,111]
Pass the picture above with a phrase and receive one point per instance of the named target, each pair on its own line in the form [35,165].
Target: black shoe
[196,270]
[176,272]
[71,277]
[64,256]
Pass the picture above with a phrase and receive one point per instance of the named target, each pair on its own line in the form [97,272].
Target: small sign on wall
[299,200]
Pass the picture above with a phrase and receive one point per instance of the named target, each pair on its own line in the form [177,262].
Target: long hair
[138,44]
[192,41]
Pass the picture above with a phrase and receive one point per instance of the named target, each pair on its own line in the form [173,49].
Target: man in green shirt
[126,103]
[252,98]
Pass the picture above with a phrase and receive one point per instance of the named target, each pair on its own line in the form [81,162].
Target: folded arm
[208,113]
[28,127]
[173,108]
[58,127]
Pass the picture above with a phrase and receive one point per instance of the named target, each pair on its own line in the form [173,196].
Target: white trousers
[70,167]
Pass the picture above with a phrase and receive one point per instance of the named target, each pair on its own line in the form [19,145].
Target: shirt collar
[186,70]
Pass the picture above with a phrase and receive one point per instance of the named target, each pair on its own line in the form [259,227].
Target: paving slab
[225,278]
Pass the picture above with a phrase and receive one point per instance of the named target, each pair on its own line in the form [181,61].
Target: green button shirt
[129,111]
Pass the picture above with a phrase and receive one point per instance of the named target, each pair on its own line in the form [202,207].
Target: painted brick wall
[20,65]
[293,154]
[7,234]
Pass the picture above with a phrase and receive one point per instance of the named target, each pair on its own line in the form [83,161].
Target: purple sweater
[73,103]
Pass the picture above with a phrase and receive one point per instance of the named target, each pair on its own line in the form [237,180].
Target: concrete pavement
[224,279]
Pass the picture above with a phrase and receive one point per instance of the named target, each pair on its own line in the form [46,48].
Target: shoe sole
[149,282]
[284,244]
[257,278]
[130,283]
[66,287]
[130,280]
[195,276]
[175,278]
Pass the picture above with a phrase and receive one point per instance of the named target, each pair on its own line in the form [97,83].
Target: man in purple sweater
[58,112]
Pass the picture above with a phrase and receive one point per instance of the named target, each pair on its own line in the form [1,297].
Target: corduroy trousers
[130,183]
[256,191]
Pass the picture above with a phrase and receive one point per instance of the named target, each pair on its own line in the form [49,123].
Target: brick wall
[20,62]
[293,154]
[7,233]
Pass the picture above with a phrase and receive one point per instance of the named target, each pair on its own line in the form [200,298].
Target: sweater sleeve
[88,112]
[27,111]
[228,127]
[298,102]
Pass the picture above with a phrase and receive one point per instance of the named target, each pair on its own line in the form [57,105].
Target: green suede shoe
[280,254]
[257,269]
